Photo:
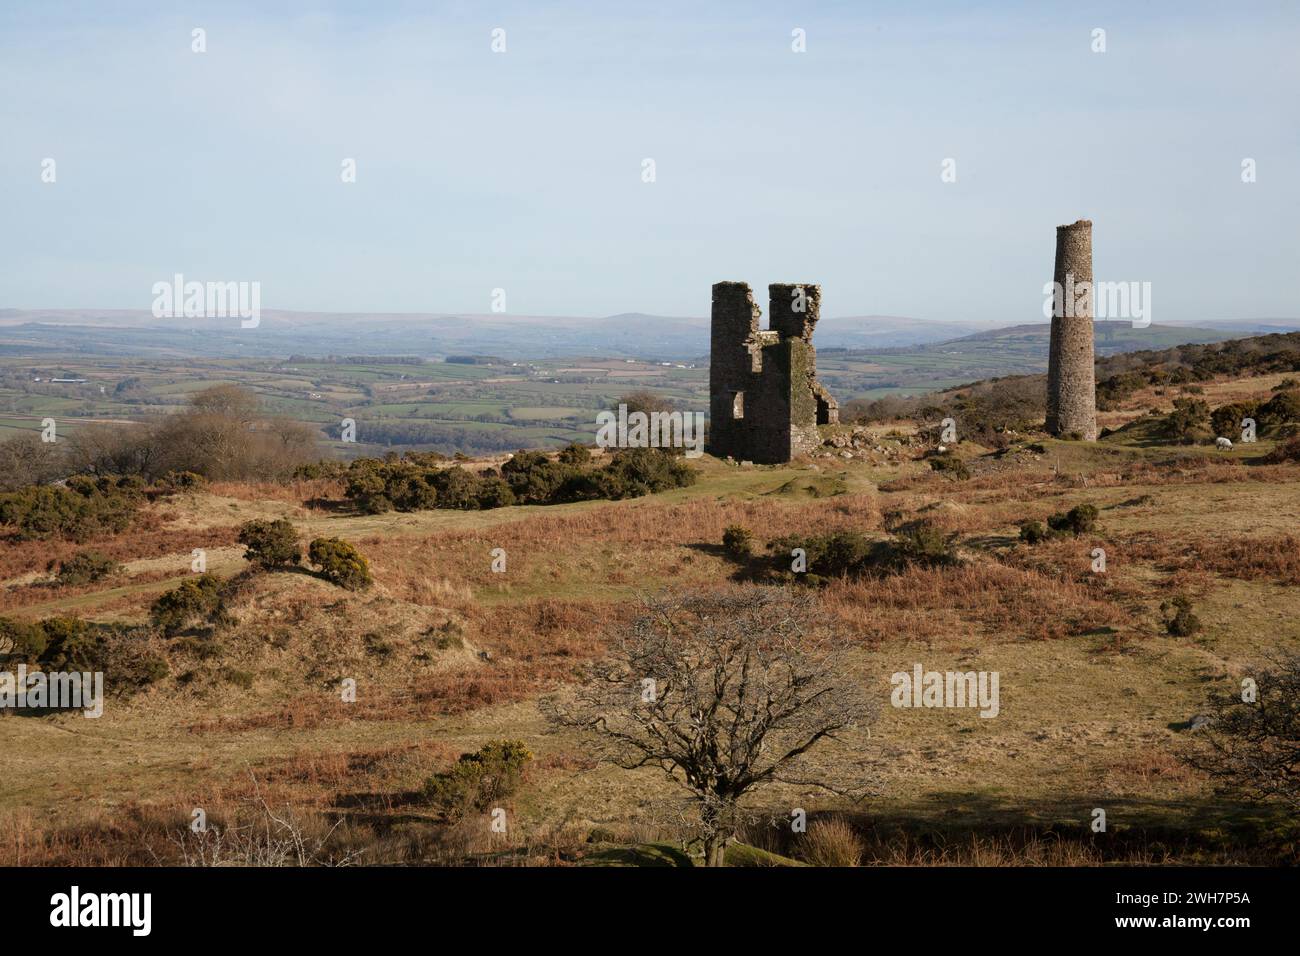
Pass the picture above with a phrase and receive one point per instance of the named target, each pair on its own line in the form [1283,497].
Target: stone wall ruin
[765,402]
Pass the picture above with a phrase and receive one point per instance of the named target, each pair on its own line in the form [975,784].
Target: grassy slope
[1088,719]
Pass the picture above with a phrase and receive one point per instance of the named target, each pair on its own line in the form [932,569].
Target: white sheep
[1223,444]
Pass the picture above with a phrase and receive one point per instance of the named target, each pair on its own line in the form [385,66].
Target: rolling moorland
[476,403]
[239,714]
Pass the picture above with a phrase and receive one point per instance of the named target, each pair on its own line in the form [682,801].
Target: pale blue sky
[523,170]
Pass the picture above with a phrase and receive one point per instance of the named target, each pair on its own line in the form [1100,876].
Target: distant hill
[433,335]
[1109,338]
[626,335]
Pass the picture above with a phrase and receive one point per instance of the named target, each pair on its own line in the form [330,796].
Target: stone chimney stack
[1071,375]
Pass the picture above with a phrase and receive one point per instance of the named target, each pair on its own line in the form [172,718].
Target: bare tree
[1251,741]
[26,460]
[225,434]
[644,400]
[116,450]
[726,692]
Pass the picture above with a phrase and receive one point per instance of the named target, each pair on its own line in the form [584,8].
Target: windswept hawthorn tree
[1252,745]
[725,692]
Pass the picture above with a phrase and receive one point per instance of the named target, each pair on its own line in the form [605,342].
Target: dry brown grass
[302,492]
[1273,558]
[831,842]
[441,637]
[24,557]
[1005,603]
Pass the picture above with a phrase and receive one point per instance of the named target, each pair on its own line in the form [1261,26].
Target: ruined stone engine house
[765,402]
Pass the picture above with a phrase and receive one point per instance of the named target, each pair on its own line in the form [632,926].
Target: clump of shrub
[574,454]
[825,555]
[56,643]
[240,678]
[1178,617]
[738,542]
[175,481]
[415,483]
[69,644]
[340,563]
[1189,421]
[1032,532]
[84,507]
[84,567]
[270,544]
[480,780]
[851,553]
[325,468]
[1271,417]
[1081,519]
[634,472]
[950,465]
[197,598]
[924,542]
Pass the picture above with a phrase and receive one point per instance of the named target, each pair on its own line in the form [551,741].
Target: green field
[498,405]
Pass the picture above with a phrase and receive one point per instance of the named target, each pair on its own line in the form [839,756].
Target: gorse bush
[85,567]
[270,544]
[634,472]
[825,555]
[924,542]
[1271,417]
[1178,617]
[69,644]
[197,598]
[738,542]
[84,508]
[1081,519]
[1189,421]
[340,563]
[479,781]
[950,465]
[1078,520]
[574,454]
[417,483]
[850,553]
[175,481]
[1032,532]
[56,644]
